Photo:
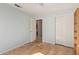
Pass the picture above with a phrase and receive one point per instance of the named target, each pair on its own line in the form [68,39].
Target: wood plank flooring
[44,48]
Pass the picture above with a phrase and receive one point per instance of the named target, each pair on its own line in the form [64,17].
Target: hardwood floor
[44,48]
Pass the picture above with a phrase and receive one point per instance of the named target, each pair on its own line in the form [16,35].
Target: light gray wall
[14,27]
[49,29]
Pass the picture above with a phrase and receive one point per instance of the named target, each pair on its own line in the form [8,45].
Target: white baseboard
[49,42]
[13,48]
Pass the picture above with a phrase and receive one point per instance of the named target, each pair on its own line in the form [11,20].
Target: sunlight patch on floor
[38,53]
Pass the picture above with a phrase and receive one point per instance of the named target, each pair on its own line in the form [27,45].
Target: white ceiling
[46,8]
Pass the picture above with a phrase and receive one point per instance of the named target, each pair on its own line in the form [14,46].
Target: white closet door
[64,30]
[60,32]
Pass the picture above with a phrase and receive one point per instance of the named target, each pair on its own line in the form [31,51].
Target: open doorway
[39,30]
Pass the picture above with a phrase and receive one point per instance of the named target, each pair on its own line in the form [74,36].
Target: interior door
[39,30]
[64,30]
[60,32]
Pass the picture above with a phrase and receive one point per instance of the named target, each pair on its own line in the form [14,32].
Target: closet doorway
[39,30]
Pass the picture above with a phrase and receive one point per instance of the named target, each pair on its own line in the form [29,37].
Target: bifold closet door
[60,32]
[64,30]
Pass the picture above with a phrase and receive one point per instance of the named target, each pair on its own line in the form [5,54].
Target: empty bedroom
[39,28]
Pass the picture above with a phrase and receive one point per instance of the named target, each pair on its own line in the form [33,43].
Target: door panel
[40,29]
[64,30]
[60,32]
